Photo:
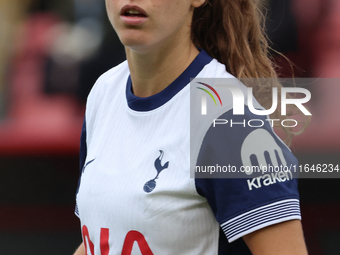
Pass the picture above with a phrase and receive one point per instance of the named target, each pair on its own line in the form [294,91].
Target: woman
[135,195]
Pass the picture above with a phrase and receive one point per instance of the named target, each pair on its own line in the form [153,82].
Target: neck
[153,71]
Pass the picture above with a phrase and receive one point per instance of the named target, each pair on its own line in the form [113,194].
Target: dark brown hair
[232,32]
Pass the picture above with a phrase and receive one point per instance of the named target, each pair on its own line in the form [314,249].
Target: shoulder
[236,155]
[108,87]
[215,69]
[108,80]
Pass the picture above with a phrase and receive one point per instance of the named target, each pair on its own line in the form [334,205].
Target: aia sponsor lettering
[131,237]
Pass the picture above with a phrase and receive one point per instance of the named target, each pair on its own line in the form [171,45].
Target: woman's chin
[138,46]
[133,39]
[137,40]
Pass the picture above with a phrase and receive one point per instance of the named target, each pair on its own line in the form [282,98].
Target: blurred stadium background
[51,53]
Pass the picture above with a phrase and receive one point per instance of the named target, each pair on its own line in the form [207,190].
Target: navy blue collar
[143,104]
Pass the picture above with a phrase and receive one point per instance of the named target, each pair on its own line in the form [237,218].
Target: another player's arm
[279,239]
[80,250]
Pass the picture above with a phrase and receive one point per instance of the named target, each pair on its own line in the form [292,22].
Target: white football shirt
[135,194]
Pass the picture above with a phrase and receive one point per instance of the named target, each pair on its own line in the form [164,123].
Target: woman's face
[143,24]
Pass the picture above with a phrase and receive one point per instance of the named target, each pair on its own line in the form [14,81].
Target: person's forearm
[80,250]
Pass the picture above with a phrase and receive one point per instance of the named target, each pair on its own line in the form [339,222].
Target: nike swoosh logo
[87,164]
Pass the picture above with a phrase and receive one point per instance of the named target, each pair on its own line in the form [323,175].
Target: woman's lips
[133,15]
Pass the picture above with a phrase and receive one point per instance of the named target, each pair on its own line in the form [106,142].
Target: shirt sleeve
[243,203]
[82,158]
